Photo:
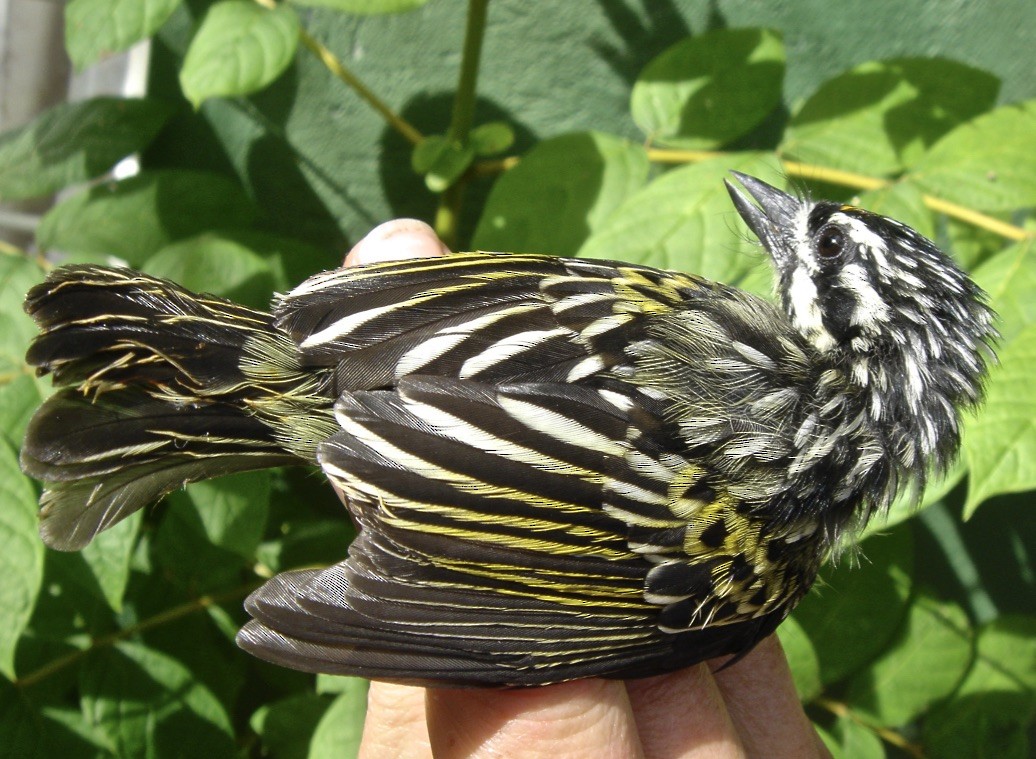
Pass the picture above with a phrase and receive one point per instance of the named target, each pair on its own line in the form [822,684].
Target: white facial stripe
[870,308]
[865,237]
[802,296]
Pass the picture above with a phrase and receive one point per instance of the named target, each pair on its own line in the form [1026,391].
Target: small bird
[558,468]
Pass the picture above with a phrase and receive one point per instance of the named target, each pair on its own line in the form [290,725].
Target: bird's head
[889,312]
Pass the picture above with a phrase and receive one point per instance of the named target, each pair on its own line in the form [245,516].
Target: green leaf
[994,706]
[19,399]
[1001,453]
[971,246]
[881,116]
[74,142]
[855,741]
[213,527]
[805,668]
[286,727]
[683,220]
[427,152]
[239,48]
[491,138]
[830,742]
[1005,661]
[559,193]
[987,164]
[215,263]
[149,704]
[854,611]
[906,506]
[109,555]
[66,733]
[137,217]
[708,90]
[233,510]
[21,555]
[922,665]
[20,724]
[365,7]
[305,543]
[441,161]
[1009,278]
[17,275]
[97,28]
[1000,441]
[340,729]
[336,684]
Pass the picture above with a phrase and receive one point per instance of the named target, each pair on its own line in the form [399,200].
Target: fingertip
[395,240]
[762,702]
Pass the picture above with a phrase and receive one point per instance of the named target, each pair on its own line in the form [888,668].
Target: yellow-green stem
[336,67]
[839,709]
[464,101]
[448,214]
[859,182]
[169,615]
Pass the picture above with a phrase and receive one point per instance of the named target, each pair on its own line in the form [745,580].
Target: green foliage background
[276,134]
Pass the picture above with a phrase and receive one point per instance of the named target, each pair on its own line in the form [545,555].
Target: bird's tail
[158,387]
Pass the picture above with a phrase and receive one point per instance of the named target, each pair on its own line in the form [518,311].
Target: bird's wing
[476,316]
[490,550]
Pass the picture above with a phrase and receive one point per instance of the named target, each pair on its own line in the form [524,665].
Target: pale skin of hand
[747,710]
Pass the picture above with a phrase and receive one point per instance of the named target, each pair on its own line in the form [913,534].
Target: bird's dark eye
[830,243]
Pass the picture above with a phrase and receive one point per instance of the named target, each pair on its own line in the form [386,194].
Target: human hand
[747,710]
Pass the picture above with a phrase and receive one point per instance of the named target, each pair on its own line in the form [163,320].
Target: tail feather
[152,396]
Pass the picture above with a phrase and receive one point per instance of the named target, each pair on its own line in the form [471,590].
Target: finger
[395,240]
[395,724]
[762,702]
[681,715]
[585,718]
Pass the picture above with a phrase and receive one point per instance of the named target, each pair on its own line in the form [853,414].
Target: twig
[860,182]
[336,67]
[462,118]
[169,615]
[839,709]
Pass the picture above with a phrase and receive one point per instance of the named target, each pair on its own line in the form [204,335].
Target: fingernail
[395,240]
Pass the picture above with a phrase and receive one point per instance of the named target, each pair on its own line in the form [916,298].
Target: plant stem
[169,615]
[891,737]
[446,215]
[464,101]
[463,116]
[859,182]
[336,67]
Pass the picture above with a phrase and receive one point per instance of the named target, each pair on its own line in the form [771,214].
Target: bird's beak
[773,220]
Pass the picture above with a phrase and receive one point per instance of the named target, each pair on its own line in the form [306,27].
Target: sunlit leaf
[96,28]
[135,218]
[882,115]
[21,555]
[73,142]
[709,89]
[854,611]
[683,220]
[559,193]
[239,48]
[1000,444]
[987,163]
[920,667]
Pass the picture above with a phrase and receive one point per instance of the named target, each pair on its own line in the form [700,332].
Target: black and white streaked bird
[558,468]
